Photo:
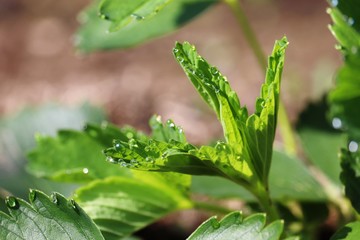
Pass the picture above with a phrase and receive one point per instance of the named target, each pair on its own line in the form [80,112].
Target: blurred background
[42,72]
[46,84]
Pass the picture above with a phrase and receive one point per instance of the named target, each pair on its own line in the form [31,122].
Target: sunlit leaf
[45,217]
[122,205]
[234,226]
[350,231]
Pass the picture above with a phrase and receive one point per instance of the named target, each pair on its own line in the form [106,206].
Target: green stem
[284,123]
[248,32]
[211,207]
[266,203]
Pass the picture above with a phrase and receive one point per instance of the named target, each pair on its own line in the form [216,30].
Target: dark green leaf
[45,217]
[345,97]
[122,205]
[350,176]
[350,231]
[234,226]
[93,34]
[320,139]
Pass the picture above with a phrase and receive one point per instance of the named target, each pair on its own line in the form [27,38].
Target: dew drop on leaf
[353,146]
[110,159]
[54,198]
[85,170]
[336,123]
[180,59]
[73,205]
[137,16]
[11,202]
[350,21]
[334,3]
[214,223]
[32,195]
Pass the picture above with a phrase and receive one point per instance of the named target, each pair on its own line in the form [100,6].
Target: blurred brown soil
[38,62]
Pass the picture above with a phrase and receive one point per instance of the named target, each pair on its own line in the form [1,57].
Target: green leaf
[17,138]
[345,97]
[75,156]
[320,141]
[127,12]
[234,226]
[350,176]
[350,231]
[245,157]
[93,34]
[297,185]
[46,218]
[123,205]
[250,136]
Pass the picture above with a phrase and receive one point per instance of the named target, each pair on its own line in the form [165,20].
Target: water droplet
[170,123]
[137,16]
[336,123]
[181,130]
[354,50]
[175,50]
[214,70]
[180,59]
[334,3]
[73,205]
[149,159]
[85,170]
[32,195]
[111,159]
[147,149]
[124,164]
[133,143]
[104,16]
[134,161]
[11,202]
[350,21]
[54,198]
[353,146]
[214,223]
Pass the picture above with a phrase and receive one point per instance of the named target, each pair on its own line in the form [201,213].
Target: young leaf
[125,12]
[122,205]
[350,231]
[234,226]
[350,176]
[251,136]
[46,218]
[75,156]
[345,97]
[93,35]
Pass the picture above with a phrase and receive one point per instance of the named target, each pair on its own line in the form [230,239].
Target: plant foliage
[47,218]
[234,226]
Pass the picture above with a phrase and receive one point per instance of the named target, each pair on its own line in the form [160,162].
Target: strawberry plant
[128,179]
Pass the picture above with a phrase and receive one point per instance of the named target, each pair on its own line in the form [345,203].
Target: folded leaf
[46,218]
[234,226]
[93,34]
[122,205]
[125,12]
[251,137]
